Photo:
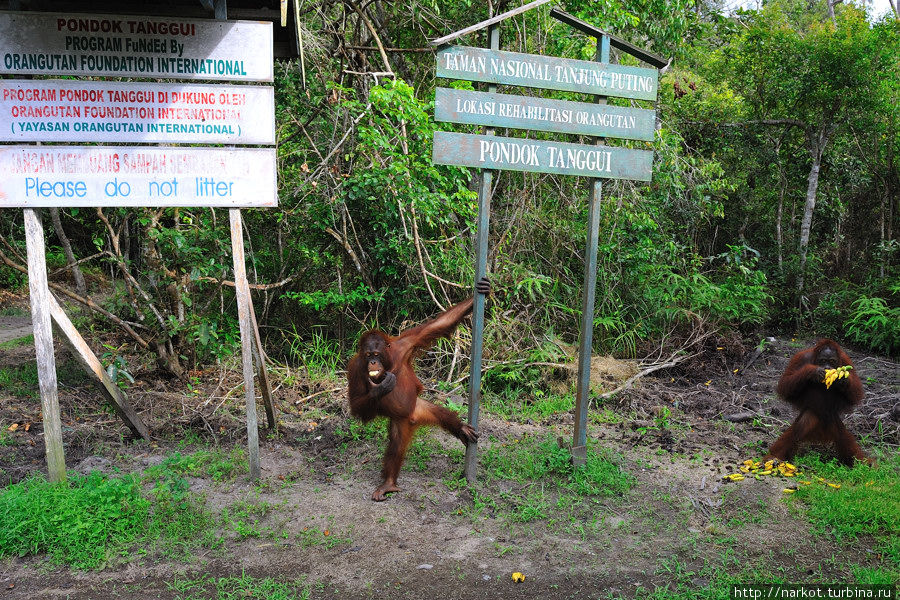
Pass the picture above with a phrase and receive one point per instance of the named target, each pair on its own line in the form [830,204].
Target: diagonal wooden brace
[90,363]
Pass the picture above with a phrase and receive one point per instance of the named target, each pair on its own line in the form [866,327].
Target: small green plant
[5,438]
[116,366]
[325,536]
[319,355]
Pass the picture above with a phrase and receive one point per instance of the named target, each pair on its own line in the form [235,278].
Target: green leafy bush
[873,323]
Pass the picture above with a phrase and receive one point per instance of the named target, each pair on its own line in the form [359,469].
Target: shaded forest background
[774,204]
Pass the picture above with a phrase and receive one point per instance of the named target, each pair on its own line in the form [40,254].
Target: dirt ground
[679,431]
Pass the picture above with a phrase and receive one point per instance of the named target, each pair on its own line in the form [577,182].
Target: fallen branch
[673,361]
[311,396]
[253,286]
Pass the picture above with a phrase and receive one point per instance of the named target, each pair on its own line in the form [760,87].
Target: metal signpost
[489,152]
[33,176]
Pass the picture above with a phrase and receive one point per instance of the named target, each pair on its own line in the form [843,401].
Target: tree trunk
[67,249]
[779,236]
[808,208]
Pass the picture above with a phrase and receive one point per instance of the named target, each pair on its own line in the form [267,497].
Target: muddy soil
[677,432]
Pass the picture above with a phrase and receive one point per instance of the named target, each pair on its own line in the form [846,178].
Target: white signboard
[135,46]
[64,176]
[60,110]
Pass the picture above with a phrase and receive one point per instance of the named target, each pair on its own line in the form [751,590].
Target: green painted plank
[547,72]
[542,114]
[540,156]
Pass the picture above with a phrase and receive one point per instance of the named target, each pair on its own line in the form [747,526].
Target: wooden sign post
[490,152]
[33,176]
[43,345]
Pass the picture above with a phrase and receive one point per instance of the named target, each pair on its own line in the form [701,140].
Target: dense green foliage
[369,232]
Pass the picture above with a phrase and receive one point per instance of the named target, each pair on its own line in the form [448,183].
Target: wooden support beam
[488,22]
[259,355]
[243,301]
[91,364]
[616,42]
[43,345]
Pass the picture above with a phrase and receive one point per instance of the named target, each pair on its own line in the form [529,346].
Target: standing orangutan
[382,382]
[821,408]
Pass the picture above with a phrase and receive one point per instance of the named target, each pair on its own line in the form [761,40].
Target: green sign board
[541,114]
[540,156]
[547,72]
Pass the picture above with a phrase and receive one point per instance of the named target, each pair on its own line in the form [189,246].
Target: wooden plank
[488,22]
[62,110]
[90,176]
[542,114]
[616,42]
[97,45]
[547,72]
[259,355]
[91,364]
[242,291]
[540,156]
[43,345]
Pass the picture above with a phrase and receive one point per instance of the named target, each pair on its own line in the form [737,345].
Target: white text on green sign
[541,156]
[557,116]
[548,72]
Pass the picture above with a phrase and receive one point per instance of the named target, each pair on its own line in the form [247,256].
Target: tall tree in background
[815,76]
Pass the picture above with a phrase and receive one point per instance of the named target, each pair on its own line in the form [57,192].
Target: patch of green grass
[14,311]
[867,503]
[357,431]
[27,340]
[537,405]
[533,459]
[80,523]
[325,535]
[245,519]
[22,380]
[423,448]
[875,576]
[533,504]
[546,486]
[180,521]
[215,464]
[234,588]
[87,520]
[5,438]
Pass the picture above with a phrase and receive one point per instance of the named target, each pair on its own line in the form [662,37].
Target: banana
[832,375]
